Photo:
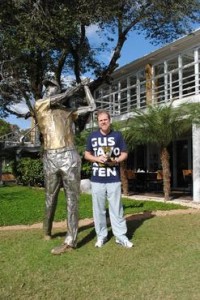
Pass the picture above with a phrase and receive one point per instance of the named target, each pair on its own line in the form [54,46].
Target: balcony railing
[181,82]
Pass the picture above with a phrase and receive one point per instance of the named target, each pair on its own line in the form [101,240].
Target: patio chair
[187,177]
[155,181]
[130,174]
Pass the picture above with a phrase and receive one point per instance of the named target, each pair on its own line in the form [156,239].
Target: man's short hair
[102,111]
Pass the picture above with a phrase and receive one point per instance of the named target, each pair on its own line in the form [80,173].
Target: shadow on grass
[89,237]
[133,223]
[85,240]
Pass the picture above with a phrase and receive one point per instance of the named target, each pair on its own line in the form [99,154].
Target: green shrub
[30,172]
[86,169]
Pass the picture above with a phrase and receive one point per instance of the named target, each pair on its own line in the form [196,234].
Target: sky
[136,46]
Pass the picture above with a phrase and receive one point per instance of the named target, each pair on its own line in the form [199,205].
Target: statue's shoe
[61,249]
[47,237]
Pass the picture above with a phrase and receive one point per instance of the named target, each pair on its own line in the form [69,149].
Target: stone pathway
[184,201]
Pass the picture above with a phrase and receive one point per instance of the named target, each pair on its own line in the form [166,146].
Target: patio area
[178,197]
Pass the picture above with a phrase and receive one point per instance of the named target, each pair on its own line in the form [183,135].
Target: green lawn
[24,205]
[164,263]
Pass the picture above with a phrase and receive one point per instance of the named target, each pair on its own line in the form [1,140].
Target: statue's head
[52,87]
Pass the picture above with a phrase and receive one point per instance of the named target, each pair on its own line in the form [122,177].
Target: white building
[170,73]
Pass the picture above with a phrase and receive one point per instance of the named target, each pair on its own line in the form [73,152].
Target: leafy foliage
[51,38]
[80,140]
[30,171]
[160,124]
[4,127]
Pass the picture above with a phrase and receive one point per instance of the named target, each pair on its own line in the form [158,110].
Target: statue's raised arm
[63,98]
[90,101]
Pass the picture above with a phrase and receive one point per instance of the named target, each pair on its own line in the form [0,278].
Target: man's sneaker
[126,243]
[61,249]
[100,243]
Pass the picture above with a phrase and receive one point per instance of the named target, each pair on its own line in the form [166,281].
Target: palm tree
[161,124]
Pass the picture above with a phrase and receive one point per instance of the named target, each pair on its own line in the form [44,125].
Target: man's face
[104,123]
[51,90]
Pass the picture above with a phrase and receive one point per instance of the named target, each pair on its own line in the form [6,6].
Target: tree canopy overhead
[41,38]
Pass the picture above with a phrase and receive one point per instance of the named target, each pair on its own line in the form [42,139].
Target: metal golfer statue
[62,163]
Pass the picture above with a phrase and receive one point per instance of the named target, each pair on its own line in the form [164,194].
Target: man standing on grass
[106,149]
[62,163]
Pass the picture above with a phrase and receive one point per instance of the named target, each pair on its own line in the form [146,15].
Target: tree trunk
[124,179]
[164,156]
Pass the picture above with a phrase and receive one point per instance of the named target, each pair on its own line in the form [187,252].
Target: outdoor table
[146,180]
